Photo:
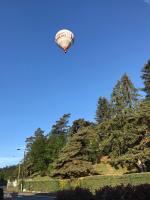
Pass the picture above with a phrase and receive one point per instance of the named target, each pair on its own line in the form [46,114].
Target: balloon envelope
[64,38]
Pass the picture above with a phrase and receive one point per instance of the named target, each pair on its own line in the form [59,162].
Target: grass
[107,169]
[104,168]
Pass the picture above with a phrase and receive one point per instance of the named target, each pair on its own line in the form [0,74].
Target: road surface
[28,196]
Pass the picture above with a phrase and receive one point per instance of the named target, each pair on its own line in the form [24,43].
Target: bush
[116,193]
[1,194]
[77,194]
[129,192]
[142,192]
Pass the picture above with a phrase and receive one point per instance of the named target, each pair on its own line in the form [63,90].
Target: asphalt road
[28,196]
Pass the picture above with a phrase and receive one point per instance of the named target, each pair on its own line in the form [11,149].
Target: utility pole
[23,168]
[18,172]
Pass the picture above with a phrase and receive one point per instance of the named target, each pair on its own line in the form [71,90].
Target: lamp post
[19,169]
[18,173]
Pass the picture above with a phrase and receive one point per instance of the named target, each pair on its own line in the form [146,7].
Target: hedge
[91,182]
[41,186]
[96,182]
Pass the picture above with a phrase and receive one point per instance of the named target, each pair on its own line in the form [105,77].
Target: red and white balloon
[64,39]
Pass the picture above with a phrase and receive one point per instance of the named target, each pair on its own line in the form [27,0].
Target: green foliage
[121,192]
[76,157]
[103,110]
[146,78]
[41,186]
[95,182]
[42,150]
[55,143]
[2,175]
[92,183]
[75,194]
[10,172]
[79,124]
[36,159]
[105,168]
[124,139]
[121,134]
[124,95]
[61,125]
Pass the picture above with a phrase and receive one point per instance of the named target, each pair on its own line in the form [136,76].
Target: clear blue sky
[39,83]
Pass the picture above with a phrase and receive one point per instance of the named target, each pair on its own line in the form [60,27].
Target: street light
[19,170]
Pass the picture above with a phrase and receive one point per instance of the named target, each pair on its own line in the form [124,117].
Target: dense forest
[120,133]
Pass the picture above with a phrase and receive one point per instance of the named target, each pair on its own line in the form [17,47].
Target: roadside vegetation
[92,183]
[141,192]
[117,142]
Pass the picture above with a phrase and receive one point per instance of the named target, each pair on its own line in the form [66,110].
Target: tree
[146,78]
[103,110]
[61,125]
[126,140]
[116,136]
[124,95]
[10,172]
[36,160]
[55,143]
[79,124]
[56,140]
[75,160]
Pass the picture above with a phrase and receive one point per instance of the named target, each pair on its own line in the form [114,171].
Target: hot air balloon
[64,38]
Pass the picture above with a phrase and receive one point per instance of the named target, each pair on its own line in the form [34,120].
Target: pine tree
[61,126]
[103,110]
[36,160]
[76,158]
[56,139]
[55,143]
[124,95]
[146,78]
[130,142]
[78,124]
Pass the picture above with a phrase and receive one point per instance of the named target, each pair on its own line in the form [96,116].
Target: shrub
[1,194]
[116,193]
[129,192]
[77,194]
[42,186]
[142,192]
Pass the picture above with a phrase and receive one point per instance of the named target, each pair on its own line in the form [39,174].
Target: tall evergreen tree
[55,143]
[61,126]
[146,78]
[103,110]
[134,139]
[78,124]
[76,157]
[56,139]
[117,99]
[124,95]
[36,160]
